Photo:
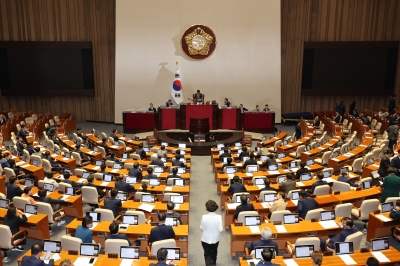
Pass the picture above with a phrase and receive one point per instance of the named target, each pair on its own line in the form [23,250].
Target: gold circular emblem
[198,42]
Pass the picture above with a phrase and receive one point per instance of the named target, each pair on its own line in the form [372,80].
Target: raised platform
[199,148]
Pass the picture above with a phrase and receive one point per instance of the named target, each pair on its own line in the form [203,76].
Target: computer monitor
[220,146]
[182,145]
[31,209]
[245,158]
[252,168]
[122,195]
[305,177]
[259,249]
[285,142]
[48,187]
[328,215]
[108,177]
[295,195]
[179,182]
[259,181]
[327,174]
[380,243]
[230,170]
[164,143]
[158,169]
[130,180]
[29,183]
[292,218]
[252,220]
[57,151]
[154,182]
[67,155]
[343,248]
[95,149]
[116,143]
[281,179]
[269,197]
[130,219]
[335,154]
[264,157]
[272,167]
[52,246]
[181,170]
[281,155]
[35,162]
[99,162]
[4,203]
[387,207]
[292,165]
[70,191]
[366,184]
[177,199]
[308,147]
[117,166]
[125,156]
[129,253]
[85,174]
[148,198]
[310,162]
[89,250]
[174,254]
[171,221]
[344,169]
[303,251]
[238,198]
[375,174]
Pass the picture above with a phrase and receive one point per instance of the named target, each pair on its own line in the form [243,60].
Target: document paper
[347,259]
[380,256]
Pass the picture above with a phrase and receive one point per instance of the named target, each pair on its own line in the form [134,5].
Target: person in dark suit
[173,214]
[236,187]
[345,178]
[135,171]
[266,235]
[35,258]
[84,158]
[320,181]
[390,185]
[177,161]
[395,162]
[336,118]
[244,206]
[270,161]
[228,163]
[198,97]
[305,204]
[341,109]
[121,185]
[2,119]
[23,134]
[4,161]
[227,102]
[113,203]
[139,151]
[114,135]
[12,189]
[79,132]
[243,109]
[250,161]
[17,170]
[56,167]
[393,134]
[266,108]
[225,154]
[152,108]
[174,173]
[12,220]
[71,182]
[105,146]
[244,153]
[352,107]
[302,170]
[297,130]
[395,214]
[150,174]
[162,231]
[114,228]
[266,258]
[348,229]
[169,103]
[392,103]
[89,183]
[157,161]
[162,256]
[385,163]
[53,202]
[317,122]
[289,184]
[29,148]
[20,145]
[267,186]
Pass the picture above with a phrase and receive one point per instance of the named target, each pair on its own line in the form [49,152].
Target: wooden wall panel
[66,20]
[332,20]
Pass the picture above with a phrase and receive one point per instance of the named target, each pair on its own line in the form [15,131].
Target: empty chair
[384,145]
[344,148]
[155,246]
[114,245]
[78,159]
[134,156]
[128,165]
[8,172]
[141,217]
[303,241]
[111,140]
[320,131]
[126,148]
[324,159]
[368,159]
[377,129]
[340,186]
[103,152]
[79,171]
[105,135]
[299,150]
[243,214]
[343,210]
[322,190]
[106,215]
[356,166]
[90,196]
[278,216]
[347,130]
[276,145]
[7,241]
[376,154]
[70,243]
[356,239]
[362,213]
[313,214]
[52,216]
[288,139]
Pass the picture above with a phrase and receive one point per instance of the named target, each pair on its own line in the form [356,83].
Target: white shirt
[51,181]
[211,224]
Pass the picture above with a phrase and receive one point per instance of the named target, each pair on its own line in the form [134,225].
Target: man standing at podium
[198,97]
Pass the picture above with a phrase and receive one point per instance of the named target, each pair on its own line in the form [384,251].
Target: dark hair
[244,148]
[320,175]
[316,256]
[114,192]
[289,176]
[244,198]
[66,175]
[162,254]
[11,212]
[87,220]
[388,151]
[49,175]
[37,149]
[78,128]
[266,254]
[136,165]
[104,139]
[236,179]
[264,145]
[103,166]
[229,159]
[170,206]
[149,170]
[303,194]
[175,170]
[398,203]
[46,153]
[22,126]
[27,189]
[251,155]
[90,178]
[271,156]
[267,182]
[348,221]
[162,216]
[42,193]
[177,157]
[78,146]
[114,227]
[12,179]
[6,154]
[114,130]
[144,187]
[162,147]
[372,261]
[302,164]
[391,170]
[36,249]
[140,145]
[211,206]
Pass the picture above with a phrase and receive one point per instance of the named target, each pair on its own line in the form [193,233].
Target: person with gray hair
[266,235]
[157,161]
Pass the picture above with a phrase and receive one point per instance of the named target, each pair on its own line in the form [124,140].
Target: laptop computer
[281,155]
[305,177]
[130,180]
[51,246]
[181,170]
[29,183]
[292,218]
[4,203]
[117,166]
[171,221]
[70,191]
[179,182]
[303,251]
[310,162]
[273,167]
[326,173]
[99,162]
[375,174]
[129,253]
[164,160]
[317,145]
[125,156]
[344,169]
[85,174]
[295,195]
[67,155]
[174,254]
[130,219]
[230,170]
[35,162]
[269,197]
[387,207]
[378,244]
[107,177]
[252,220]
[154,182]
[164,143]
[182,145]
[122,195]
[292,165]
[259,181]
[158,169]
[259,249]
[343,248]
[148,198]
[238,144]
[69,171]
[308,147]
[237,200]
[366,184]
[264,157]
[91,250]
[245,158]
[281,179]
[177,199]
[252,168]
[335,154]
[95,149]
[31,209]
[328,215]
[146,149]
[95,216]
[285,142]
[48,187]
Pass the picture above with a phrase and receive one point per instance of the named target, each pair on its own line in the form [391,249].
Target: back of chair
[20,202]
[140,214]
[46,165]
[110,163]
[138,194]
[103,152]
[128,165]
[5,239]
[39,159]
[343,210]
[247,167]
[170,181]
[322,190]
[313,214]
[168,243]
[77,158]
[27,155]
[79,171]
[308,241]
[340,186]
[244,214]
[106,215]
[70,243]
[357,165]
[356,239]
[299,150]
[46,208]
[326,156]
[239,194]
[368,206]
[266,192]
[167,196]
[114,245]
[62,186]
[392,199]
[8,172]
[278,215]
[134,156]
[90,195]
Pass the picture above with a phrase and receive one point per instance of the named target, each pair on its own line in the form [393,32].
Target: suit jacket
[160,263]
[227,164]
[4,163]
[395,162]
[300,172]
[30,150]
[50,200]
[157,161]
[278,205]
[268,189]
[391,186]
[150,177]
[236,188]
[249,162]
[2,121]
[135,172]
[152,109]
[243,207]
[14,222]
[346,180]
[178,163]
[33,261]
[392,104]
[173,176]
[383,166]
[316,184]
[306,204]
[297,129]
[115,137]
[225,154]
[123,186]
[112,204]
[105,146]
[288,185]
[23,135]
[393,132]
[13,190]
[341,108]
[141,153]
[244,110]
[269,162]
[244,154]
[20,147]
[337,118]
[317,123]
[342,235]
[119,236]
[161,232]
[258,243]
[266,110]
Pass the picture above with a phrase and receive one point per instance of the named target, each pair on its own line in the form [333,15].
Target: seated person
[139,151]
[266,108]
[227,102]
[112,157]
[173,214]
[85,142]
[83,231]
[266,257]
[28,195]
[372,261]
[257,109]
[20,145]
[13,189]
[12,220]
[150,174]
[244,206]
[105,146]
[395,214]
[84,158]
[320,181]
[177,161]
[23,133]
[55,167]
[244,153]
[17,169]
[336,118]
[345,178]
[36,258]
[316,258]
[270,161]
[264,149]
[37,152]
[250,161]
[348,229]
[301,170]
[162,231]
[237,186]
[114,228]
[114,135]
[121,185]
[279,204]
[226,153]
[103,167]
[49,179]
[305,204]
[267,185]
[152,109]
[162,152]
[174,173]
[266,235]
[162,257]
[316,122]
[157,161]
[112,203]
[135,171]
[228,163]
[169,103]
[4,161]
[289,183]
[90,183]
[79,132]
[54,203]
[66,180]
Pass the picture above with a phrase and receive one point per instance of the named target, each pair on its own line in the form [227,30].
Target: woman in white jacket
[211,224]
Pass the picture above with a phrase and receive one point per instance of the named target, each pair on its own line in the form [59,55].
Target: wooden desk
[259,122]
[141,231]
[3,185]
[271,141]
[36,171]
[72,206]
[379,228]
[320,150]
[68,163]
[37,226]
[138,122]
[293,145]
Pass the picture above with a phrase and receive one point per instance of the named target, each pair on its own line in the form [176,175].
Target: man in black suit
[84,158]
[114,135]
[392,103]
[162,231]
[267,186]
[162,256]
[319,182]
[157,161]
[348,229]
[150,174]
[79,132]
[177,161]
[302,170]
[140,151]
[250,161]
[113,203]
[135,171]
[341,109]
[385,163]
[71,182]
[169,103]
[152,109]
[270,161]
[289,184]
[12,189]
[242,109]
[174,173]
[244,153]
[35,259]
[23,134]
[2,119]
[114,228]
[336,118]
[305,204]
[393,134]
[317,122]
[395,214]
[244,206]
[198,97]
[395,162]
[237,186]
[297,129]
[266,108]
[225,154]
[266,235]
[105,146]
[20,145]
[227,102]
[173,214]
[228,163]
[121,185]
[29,148]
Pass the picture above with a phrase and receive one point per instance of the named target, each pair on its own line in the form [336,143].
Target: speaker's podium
[199,129]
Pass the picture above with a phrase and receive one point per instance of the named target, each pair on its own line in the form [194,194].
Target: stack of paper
[290,262]
[295,202]
[329,179]
[233,205]
[249,174]
[94,225]
[266,205]
[347,259]
[114,170]
[146,207]
[300,184]
[126,262]
[104,184]
[239,164]
[380,256]
[260,186]
[168,188]
[114,147]
[96,168]
[328,224]
[383,218]
[254,229]
[65,197]
[280,228]
[82,261]
[273,172]
[231,175]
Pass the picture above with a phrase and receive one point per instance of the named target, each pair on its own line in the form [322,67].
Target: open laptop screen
[259,181]
[171,221]
[281,155]
[238,198]
[130,180]
[181,170]
[179,182]
[99,162]
[303,251]
[95,216]
[292,165]
[269,197]
[328,215]
[305,177]
[108,177]
[147,198]
[177,199]
[182,145]
[272,167]
[158,169]
[35,162]
[154,182]
[326,173]
[48,187]
[387,207]
[230,170]
[342,248]
[4,203]
[295,195]
[310,162]
[31,209]
[130,219]
[252,220]
[380,243]
[28,183]
[281,179]
[52,245]
[130,253]
[85,174]
[70,191]
[292,218]
[252,168]
[366,184]
[259,249]
[122,196]
[89,250]
[174,253]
